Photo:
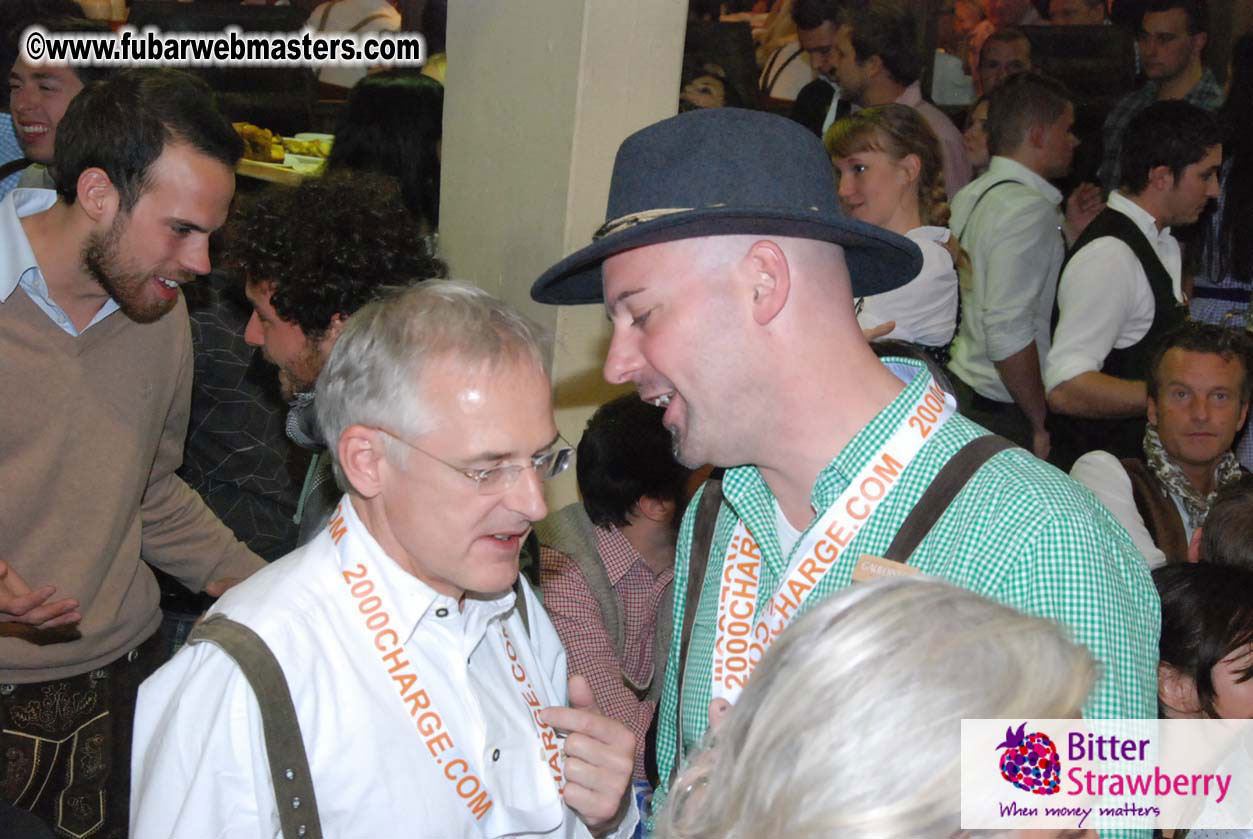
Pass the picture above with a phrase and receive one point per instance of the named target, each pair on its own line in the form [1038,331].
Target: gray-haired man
[402,629]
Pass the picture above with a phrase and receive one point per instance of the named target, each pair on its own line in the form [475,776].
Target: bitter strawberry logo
[1030,762]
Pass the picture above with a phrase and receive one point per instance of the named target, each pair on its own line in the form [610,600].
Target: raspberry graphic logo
[1030,762]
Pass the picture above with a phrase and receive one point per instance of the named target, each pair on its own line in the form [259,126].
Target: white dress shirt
[1101,472]
[1015,246]
[18,268]
[199,765]
[1104,297]
[925,308]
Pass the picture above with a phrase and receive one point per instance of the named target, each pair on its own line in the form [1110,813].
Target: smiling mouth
[661,400]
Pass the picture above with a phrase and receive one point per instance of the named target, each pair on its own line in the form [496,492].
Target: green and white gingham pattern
[1021,533]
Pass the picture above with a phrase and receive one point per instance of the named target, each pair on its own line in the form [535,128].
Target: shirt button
[441,612]
[495,754]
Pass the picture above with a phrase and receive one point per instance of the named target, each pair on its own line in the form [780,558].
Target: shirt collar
[1003,167]
[930,233]
[744,485]
[1142,217]
[16,258]
[911,96]
[616,552]
[413,600]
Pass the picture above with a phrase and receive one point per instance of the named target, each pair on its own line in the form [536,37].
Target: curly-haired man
[310,256]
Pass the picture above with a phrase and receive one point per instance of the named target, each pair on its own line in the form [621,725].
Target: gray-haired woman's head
[851,723]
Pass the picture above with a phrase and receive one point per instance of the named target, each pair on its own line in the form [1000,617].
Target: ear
[361,457]
[1244,414]
[655,510]
[872,66]
[771,280]
[1161,178]
[1035,136]
[97,196]
[1150,410]
[1199,40]
[1176,691]
[911,164]
[1194,545]
[331,335]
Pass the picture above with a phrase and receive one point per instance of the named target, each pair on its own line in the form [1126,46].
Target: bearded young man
[729,272]
[309,257]
[98,365]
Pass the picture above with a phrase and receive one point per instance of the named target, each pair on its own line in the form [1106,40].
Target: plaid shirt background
[1207,94]
[589,647]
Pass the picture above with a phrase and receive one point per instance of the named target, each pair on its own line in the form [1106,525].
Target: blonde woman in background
[891,175]
[850,725]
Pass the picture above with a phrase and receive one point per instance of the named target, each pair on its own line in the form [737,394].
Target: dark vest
[1157,509]
[1073,436]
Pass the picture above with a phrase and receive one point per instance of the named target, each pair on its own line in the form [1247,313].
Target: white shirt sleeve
[1016,275]
[198,763]
[1096,298]
[1102,473]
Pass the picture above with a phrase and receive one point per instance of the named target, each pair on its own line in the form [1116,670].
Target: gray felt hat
[724,171]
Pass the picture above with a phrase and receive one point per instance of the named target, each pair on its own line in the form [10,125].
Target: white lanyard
[371,607]
[740,642]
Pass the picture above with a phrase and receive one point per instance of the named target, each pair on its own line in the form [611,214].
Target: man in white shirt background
[1009,222]
[429,686]
[1198,398]
[1120,290]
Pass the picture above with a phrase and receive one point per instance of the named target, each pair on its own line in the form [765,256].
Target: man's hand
[600,757]
[879,331]
[1083,205]
[1041,444]
[217,588]
[19,604]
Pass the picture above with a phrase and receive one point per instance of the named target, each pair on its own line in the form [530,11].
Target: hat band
[632,219]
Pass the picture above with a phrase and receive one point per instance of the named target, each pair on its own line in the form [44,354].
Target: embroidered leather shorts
[65,745]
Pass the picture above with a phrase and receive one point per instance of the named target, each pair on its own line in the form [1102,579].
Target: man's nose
[526,496]
[623,360]
[252,332]
[196,256]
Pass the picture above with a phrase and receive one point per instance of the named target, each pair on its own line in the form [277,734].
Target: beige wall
[539,95]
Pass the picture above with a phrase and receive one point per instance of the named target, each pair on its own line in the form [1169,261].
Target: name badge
[870,567]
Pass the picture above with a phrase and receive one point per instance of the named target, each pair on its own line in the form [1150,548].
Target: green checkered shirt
[1020,532]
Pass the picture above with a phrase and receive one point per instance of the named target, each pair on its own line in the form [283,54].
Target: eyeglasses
[498,479]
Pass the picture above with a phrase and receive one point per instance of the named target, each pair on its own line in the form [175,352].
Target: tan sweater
[91,431]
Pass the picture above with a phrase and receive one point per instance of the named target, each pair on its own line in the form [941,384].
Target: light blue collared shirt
[10,149]
[17,262]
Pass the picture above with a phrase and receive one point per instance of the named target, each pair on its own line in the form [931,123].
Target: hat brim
[878,260]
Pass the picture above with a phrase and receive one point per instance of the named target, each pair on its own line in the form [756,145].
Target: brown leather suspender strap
[943,489]
[289,765]
[13,166]
[697,561]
